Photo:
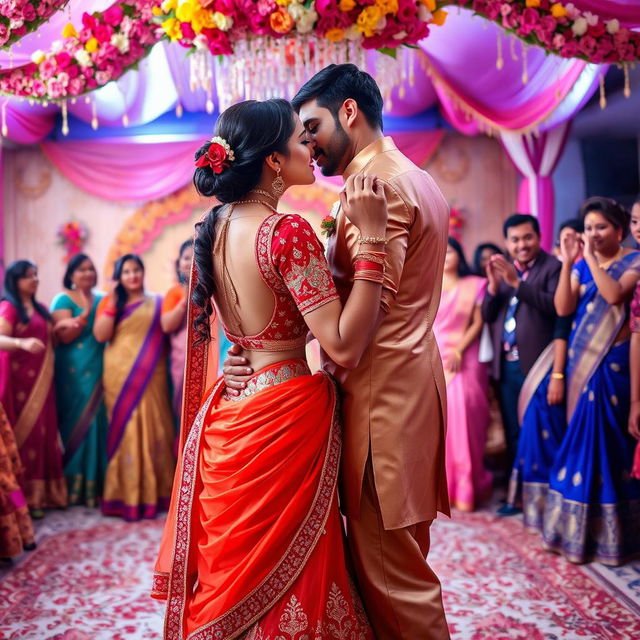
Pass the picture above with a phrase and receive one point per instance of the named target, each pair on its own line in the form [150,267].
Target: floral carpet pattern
[89,580]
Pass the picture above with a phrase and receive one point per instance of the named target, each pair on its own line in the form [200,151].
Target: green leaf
[388,51]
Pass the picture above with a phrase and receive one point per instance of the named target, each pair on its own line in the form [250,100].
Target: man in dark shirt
[519,309]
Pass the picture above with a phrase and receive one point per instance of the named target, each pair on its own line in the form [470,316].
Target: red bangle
[110,312]
[368,265]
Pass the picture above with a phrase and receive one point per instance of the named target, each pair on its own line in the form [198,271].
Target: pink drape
[536,157]
[124,171]
[134,171]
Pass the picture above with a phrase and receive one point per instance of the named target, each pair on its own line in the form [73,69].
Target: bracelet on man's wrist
[557,376]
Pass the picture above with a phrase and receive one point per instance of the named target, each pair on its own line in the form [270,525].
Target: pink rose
[217,42]
[88,21]
[55,88]
[558,41]
[85,35]
[103,33]
[48,68]
[406,11]
[505,9]
[113,15]
[29,13]
[570,49]
[73,70]
[329,8]
[38,87]
[587,45]
[266,7]
[63,59]
[187,31]
[102,77]
[529,21]
[63,78]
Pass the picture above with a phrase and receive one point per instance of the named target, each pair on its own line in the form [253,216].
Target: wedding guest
[141,432]
[16,528]
[457,330]
[173,320]
[573,227]
[519,308]
[589,507]
[635,222]
[26,386]
[634,365]
[78,377]
[481,257]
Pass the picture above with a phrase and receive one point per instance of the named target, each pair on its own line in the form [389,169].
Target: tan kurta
[394,401]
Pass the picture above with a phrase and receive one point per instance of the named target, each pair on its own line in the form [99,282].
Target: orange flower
[281,21]
[334,35]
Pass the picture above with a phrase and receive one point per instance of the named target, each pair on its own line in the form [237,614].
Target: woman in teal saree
[78,376]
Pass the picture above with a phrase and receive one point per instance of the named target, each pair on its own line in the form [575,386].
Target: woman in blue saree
[592,508]
[82,415]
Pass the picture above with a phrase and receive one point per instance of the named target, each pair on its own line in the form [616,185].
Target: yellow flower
[171,27]
[281,21]
[156,11]
[169,5]
[334,35]
[430,4]
[69,31]
[91,45]
[184,12]
[439,17]
[37,56]
[533,3]
[368,19]
[388,6]
[558,11]
[347,5]
[283,3]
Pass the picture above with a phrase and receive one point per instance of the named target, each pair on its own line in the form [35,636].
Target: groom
[393,474]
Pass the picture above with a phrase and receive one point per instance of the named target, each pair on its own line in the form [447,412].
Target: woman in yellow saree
[141,433]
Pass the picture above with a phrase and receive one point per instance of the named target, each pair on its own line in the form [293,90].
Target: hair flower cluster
[218,156]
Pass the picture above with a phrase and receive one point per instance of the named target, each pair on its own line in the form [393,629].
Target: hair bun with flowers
[218,156]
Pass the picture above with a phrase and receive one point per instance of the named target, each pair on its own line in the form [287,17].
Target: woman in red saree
[26,387]
[253,545]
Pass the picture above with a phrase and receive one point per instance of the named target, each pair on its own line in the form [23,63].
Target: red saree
[253,547]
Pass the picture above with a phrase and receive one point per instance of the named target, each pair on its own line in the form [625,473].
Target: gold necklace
[607,263]
[262,192]
[264,204]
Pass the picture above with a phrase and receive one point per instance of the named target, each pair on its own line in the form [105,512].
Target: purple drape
[626,11]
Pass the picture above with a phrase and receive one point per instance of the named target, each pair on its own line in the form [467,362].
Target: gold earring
[277,186]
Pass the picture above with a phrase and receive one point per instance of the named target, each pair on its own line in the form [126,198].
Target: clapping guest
[481,257]
[589,508]
[141,432]
[574,228]
[78,374]
[519,308]
[457,329]
[26,386]
[174,321]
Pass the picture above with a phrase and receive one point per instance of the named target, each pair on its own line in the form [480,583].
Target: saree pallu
[542,430]
[16,529]
[253,545]
[82,414]
[178,353]
[141,429]
[468,412]
[28,396]
[593,505]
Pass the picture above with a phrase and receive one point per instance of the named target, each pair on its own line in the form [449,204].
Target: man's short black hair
[517,219]
[577,224]
[339,82]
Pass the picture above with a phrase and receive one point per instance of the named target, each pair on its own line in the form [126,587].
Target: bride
[253,545]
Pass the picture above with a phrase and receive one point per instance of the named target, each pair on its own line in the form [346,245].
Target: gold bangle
[372,240]
[557,376]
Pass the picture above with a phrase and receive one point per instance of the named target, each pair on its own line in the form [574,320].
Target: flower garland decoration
[456,222]
[108,44]
[561,28]
[72,236]
[17,19]
[372,24]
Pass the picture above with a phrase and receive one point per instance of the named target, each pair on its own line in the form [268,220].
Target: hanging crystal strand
[65,119]
[94,115]
[209,105]
[499,58]
[179,109]
[512,48]
[125,119]
[627,87]
[5,129]
[603,95]
[525,67]
[412,67]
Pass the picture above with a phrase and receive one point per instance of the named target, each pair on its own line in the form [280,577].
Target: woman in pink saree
[26,387]
[457,328]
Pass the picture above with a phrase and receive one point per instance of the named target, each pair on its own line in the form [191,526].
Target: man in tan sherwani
[393,470]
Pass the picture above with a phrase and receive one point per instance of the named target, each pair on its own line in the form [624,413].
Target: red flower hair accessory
[219,155]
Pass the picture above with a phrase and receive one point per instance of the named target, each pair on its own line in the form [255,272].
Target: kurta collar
[368,154]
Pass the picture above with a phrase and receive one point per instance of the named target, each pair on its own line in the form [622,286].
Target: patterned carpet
[89,577]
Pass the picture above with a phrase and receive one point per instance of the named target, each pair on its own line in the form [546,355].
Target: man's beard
[336,150]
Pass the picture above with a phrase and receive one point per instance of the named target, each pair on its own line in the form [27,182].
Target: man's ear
[350,111]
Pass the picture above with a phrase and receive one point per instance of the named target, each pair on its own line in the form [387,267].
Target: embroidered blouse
[292,264]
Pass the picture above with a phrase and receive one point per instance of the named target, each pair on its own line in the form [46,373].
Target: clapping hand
[504,270]
[570,247]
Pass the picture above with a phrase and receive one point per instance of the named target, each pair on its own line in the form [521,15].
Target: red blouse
[293,265]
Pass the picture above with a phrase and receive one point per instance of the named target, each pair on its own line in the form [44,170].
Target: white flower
[83,57]
[200,42]
[592,20]
[381,24]
[37,56]
[424,14]
[307,19]
[15,24]
[580,26]
[572,12]
[56,46]
[223,22]
[120,42]
[296,11]
[613,26]
[401,35]
[352,33]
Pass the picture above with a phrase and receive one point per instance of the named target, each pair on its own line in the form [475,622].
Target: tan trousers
[401,593]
